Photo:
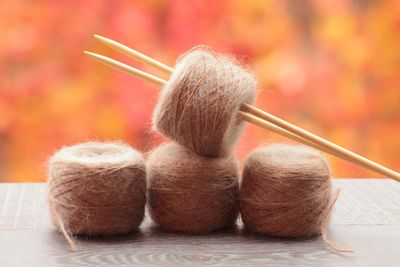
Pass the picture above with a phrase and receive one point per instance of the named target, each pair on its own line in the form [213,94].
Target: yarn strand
[324,229]
[66,235]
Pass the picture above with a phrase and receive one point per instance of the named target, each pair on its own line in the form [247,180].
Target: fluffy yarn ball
[97,189]
[198,108]
[286,191]
[189,193]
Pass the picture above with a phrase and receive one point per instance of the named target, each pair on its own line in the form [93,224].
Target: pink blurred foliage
[328,66]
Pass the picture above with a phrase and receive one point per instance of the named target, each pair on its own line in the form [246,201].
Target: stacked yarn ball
[193,183]
[286,191]
[198,108]
[189,193]
[97,189]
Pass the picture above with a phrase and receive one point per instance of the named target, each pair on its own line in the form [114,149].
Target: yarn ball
[198,107]
[191,194]
[286,191]
[97,189]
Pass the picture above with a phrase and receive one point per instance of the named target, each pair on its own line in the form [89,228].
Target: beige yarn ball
[97,189]
[286,191]
[198,108]
[191,194]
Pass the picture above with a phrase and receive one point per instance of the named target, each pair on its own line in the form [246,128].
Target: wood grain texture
[366,218]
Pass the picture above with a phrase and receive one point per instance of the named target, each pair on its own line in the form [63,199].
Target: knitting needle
[330,147]
[126,68]
[355,158]
[133,53]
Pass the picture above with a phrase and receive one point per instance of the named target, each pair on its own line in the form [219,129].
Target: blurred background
[329,66]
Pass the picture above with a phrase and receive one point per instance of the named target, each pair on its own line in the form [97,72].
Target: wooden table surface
[366,218]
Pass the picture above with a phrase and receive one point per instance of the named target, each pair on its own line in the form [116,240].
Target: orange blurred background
[331,67]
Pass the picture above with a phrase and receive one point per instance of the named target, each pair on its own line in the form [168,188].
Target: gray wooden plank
[373,245]
[23,206]
[366,217]
[367,202]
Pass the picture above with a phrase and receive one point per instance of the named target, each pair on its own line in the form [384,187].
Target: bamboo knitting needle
[126,68]
[133,53]
[259,117]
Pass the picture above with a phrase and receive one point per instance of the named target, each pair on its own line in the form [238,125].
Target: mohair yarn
[286,191]
[198,108]
[97,189]
[191,194]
